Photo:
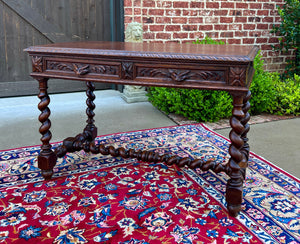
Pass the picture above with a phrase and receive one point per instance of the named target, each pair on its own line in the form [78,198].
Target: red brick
[149,3]
[144,11]
[212,19]
[212,35]
[248,41]
[180,5]
[163,36]
[220,12]
[278,60]
[226,34]
[148,20]
[127,19]
[127,3]
[173,28]
[262,26]
[190,27]
[190,12]
[137,3]
[205,27]
[235,27]
[262,40]
[227,5]
[137,19]
[254,19]
[273,12]
[221,27]
[196,5]
[234,41]
[262,12]
[156,27]
[137,11]
[164,4]
[255,6]
[249,26]
[159,12]
[163,20]
[273,40]
[195,35]
[145,28]
[198,20]
[173,12]
[255,33]
[240,33]
[212,5]
[183,35]
[242,5]
[240,19]
[128,11]
[179,20]
[265,47]
[226,19]
[248,13]
[269,6]
[234,12]
[268,19]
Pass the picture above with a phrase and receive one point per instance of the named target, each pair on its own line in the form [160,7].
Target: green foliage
[262,89]
[208,40]
[200,105]
[287,99]
[272,95]
[289,32]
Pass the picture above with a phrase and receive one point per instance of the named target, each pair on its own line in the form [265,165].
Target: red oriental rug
[100,199]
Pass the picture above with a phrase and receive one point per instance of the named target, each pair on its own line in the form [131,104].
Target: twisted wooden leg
[47,158]
[148,156]
[239,151]
[82,140]
[90,128]
[244,122]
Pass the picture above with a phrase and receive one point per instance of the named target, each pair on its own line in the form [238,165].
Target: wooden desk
[213,67]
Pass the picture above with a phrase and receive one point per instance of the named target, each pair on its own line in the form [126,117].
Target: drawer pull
[81,70]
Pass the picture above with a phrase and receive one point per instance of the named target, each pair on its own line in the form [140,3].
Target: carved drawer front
[82,68]
[188,74]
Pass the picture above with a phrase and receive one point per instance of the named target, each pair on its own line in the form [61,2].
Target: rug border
[255,155]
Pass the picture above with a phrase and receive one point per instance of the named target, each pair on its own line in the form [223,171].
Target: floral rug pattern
[101,199]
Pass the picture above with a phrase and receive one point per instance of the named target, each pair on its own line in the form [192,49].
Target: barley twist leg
[238,150]
[46,158]
[82,140]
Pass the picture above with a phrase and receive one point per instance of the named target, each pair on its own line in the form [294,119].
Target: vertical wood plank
[92,31]
[3,54]
[81,20]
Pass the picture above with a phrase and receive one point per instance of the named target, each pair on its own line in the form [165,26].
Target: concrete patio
[276,141]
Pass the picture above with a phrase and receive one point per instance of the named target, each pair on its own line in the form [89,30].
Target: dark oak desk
[214,67]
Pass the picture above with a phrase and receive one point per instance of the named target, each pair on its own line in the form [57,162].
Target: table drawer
[82,68]
[188,74]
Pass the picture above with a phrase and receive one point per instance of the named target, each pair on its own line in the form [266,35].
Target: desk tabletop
[237,53]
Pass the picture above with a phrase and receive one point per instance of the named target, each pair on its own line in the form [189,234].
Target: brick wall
[245,22]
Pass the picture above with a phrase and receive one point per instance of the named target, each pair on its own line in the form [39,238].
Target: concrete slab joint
[132,94]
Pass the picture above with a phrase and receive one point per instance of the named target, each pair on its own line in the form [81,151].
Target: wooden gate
[24,23]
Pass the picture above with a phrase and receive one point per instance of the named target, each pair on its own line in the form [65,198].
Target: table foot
[46,162]
[234,210]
